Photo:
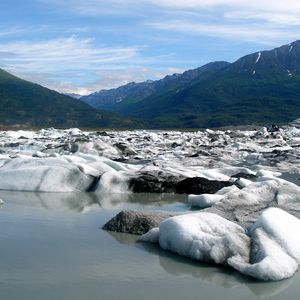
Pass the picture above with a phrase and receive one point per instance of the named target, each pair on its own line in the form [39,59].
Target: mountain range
[260,88]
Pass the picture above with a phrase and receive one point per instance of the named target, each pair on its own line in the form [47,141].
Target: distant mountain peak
[278,62]
[115,98]
[260,87]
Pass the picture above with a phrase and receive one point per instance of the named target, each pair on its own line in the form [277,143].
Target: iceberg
[270,251]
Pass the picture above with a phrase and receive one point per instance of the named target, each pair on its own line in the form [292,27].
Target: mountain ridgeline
[24,104]
[118,99]
[260,88]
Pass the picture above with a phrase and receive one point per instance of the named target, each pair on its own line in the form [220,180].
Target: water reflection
[83,202]
[65,202]
[180,266]
[170,263]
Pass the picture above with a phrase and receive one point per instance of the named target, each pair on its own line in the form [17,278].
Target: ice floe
[269,252]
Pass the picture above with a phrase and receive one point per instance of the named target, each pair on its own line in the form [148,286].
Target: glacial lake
[52,247]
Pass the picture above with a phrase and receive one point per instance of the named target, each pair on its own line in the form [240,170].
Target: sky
[82,46]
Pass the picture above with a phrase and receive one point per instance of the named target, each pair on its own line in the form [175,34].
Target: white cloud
[255,33]
[106,79]
[60,63]
[233,14]
[116,6]
[292,6]
[277,19]
[67,53]
[76,65]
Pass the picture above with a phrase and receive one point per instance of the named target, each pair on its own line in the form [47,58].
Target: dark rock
[245,176]
[12,145]
[158,182]
[193,155]
[82,139]
[74,148]
[92,187]
[125,149]
[199,185]
[175,145]
[136,222]
[102,133]
[201,153]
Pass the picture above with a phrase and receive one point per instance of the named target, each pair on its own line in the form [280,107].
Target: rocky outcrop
[199,185]
[148,182]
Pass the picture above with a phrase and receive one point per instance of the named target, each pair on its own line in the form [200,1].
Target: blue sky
[86,45]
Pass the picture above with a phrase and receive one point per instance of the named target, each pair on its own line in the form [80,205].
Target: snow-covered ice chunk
[204,200]
[283,227]
[43,175]
[253,157]
[266,190]
[113,182]
[98,148]
[242,182]
[152,236]
[275,253]
[267,173]
[270,251]
[227,189]
[202,236]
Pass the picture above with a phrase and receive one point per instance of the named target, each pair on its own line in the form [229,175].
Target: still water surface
[52,247]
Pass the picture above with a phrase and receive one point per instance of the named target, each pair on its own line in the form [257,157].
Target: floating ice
[271,251]
[204,200]
[275,253]
[202,236]
[43,175]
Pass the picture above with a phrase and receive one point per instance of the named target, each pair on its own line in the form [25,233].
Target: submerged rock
[136,222]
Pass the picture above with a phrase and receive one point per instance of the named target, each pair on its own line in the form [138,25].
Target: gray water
[52,247]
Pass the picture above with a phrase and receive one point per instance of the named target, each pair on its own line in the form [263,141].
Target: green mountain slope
[260,88]
[27,104]
[123,98]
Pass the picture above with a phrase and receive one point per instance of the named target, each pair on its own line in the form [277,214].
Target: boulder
[125,150]
[199,185]
[160,182]
[147,182]
[137,222]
